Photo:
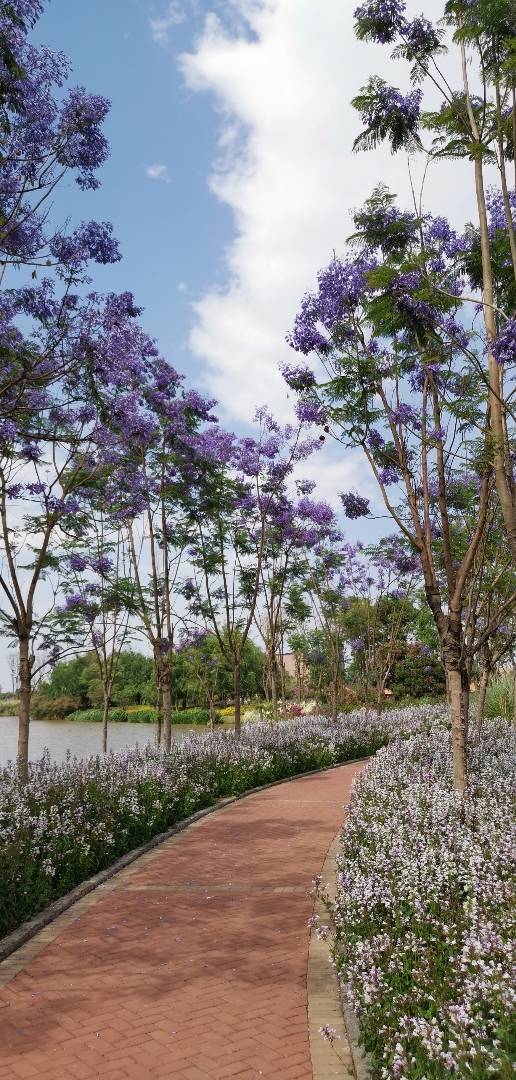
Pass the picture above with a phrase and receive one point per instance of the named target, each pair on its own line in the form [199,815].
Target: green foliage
[94,716]
[134,682]
[416,675]
[55,708]
[145,714]
[193,716]
[191,663]
[9,705]
[71,678]
[500,697]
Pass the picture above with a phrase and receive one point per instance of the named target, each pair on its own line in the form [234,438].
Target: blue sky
[172,234]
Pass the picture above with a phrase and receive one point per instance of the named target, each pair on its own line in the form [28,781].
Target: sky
[232,177]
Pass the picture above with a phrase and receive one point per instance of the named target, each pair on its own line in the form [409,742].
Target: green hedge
[94,716]
[144,715]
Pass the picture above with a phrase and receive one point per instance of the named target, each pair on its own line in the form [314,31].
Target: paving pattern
[189,964]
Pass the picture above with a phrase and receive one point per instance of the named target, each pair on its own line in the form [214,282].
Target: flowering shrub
[71,820]
[301,708]
[424,909]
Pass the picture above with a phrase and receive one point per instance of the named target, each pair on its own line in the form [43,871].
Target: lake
[61,736]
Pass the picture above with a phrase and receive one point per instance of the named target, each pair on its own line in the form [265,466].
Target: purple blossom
[77,562]
[421,38]
[380,20]
[311,412]
[69,505]
[298,377]
[355,505]
[389,475]
[391,112]
[305,337]
[405,415]
[93,240]
[496,210]
[437,434]
[8,430]
[341,286]
[31,452]
[73,602]
[375,439]
[84,147]
[101,564]
[504,348]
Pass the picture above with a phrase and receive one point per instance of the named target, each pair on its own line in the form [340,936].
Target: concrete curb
[328,999]
[361,1061]
[330,1061]
[19,937]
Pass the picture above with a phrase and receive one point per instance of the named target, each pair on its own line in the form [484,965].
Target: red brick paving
[194,965]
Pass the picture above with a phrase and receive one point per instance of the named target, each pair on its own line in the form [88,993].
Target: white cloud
[161,25]
[158,172]
[282,75]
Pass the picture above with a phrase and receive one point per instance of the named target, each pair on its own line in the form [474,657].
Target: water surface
[79,738]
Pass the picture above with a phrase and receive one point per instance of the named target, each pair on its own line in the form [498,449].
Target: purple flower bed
[72,820]
[425,909]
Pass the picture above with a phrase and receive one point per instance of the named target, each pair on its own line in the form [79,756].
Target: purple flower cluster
[341,287]
[389,106]
[299,377]
[355,505]
[496,210]
[380,20]
[504,348]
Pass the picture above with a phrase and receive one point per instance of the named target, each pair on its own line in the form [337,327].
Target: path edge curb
[361,1061]
[28,929]
[325,1057]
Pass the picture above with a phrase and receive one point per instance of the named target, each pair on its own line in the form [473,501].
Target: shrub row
[74,819]
[425,909]
[143,714]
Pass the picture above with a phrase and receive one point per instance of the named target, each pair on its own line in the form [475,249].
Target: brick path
[191,963]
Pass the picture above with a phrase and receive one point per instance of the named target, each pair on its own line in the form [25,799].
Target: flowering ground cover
[425,909]
[70,821]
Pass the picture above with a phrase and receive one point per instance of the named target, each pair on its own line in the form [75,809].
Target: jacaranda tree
[475,120]
[233,526]
[395,379]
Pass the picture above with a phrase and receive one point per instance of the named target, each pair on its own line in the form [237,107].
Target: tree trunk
[167,709]
[380,687]
[159,710]
[274,687]
[496,403]
[297,662]
[465,687]
[105,708]
[335,694]
[212,713]
[24,713]
[458,734]
[238,698]
[481,701]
